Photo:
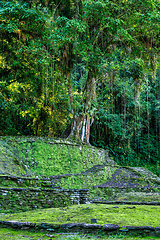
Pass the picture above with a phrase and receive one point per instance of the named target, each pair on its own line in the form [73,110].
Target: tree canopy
[87,70]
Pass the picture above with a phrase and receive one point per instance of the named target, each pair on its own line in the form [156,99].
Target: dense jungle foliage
[83,69]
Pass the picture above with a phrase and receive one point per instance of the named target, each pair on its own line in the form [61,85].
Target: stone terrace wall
[37,156]
[7,180]
[32,198]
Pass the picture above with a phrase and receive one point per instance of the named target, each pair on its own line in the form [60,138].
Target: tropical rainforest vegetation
[83,69]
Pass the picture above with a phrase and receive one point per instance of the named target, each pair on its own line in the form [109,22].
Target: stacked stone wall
[32,198]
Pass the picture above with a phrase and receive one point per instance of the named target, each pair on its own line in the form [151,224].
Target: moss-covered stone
[46,156]
[47,163]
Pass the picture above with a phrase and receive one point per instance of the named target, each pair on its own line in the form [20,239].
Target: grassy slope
[41,156]
[9,160]
[48,157]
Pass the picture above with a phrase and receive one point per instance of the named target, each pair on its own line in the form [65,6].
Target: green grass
[53,159]
[47,157]
[139,197]
[37,156]
[86,181]
[10,234]
[9,162]
[123,215]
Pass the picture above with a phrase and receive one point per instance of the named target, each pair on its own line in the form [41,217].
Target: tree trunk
[80,129]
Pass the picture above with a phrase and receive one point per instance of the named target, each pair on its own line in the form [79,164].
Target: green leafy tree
[81,69]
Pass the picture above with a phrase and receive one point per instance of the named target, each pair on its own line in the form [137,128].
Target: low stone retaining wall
[20,181]
[125,202]
[83,227]
[33,182]
[31,198]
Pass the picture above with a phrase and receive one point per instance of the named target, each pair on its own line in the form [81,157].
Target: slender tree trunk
[83,130]
[88,128]
[148,121]
[71,96]
[80,129]
[137,85]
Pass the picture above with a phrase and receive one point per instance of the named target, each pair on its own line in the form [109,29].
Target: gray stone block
[110,227]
